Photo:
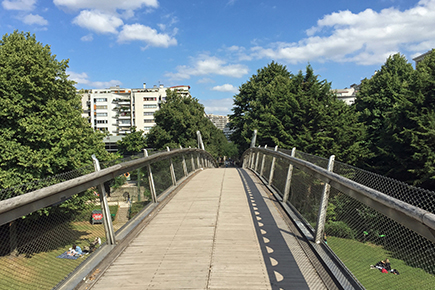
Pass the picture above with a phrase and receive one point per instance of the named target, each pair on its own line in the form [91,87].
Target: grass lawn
[358,257]
[41,269]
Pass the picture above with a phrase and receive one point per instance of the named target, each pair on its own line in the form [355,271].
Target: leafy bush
[339,229]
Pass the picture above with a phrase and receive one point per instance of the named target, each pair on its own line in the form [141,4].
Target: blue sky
[215,46]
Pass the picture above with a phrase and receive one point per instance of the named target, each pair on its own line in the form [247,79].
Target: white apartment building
[346,95]
[219,121]
[117,109]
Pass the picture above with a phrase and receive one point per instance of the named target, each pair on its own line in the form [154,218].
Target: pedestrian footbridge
[221,230]
[282,220]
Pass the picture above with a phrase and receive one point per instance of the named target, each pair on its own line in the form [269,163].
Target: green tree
[252,106]
[177,122]
[410,129]
[42,131]
[380,102]
[296,111]
[420,111]
[132,143]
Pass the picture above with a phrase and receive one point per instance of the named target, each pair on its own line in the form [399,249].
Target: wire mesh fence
[359,235]
[41,249]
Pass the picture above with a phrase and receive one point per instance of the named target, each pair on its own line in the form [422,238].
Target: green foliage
[296,111]
[339,229]
[177,122]
[386,92]
[118,181]
[398,107]
[132,143]
[42,132]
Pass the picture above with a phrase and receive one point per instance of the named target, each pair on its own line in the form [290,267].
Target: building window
[101,107]
[103,129]
[102,121]
[148,113]
[148,121]
[146,128]
[100,100]
[149,106]
[101,114]
[147,99]
[124,121]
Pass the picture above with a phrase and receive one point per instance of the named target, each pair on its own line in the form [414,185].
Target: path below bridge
[220,231]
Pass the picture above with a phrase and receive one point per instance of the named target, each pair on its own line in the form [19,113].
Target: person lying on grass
[75,251]
[384,267]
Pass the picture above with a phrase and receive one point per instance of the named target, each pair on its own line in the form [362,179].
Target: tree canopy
[132,143]
[42,131]
[177,122]
[296,111]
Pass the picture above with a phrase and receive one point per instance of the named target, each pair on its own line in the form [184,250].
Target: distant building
[346,95]
[116,109]
[420,57]
[219,121]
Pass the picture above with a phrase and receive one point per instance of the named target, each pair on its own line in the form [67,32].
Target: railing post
[193,162]
[107,219]
[256,161]
[321,217]
[289,178]
[174,179]
[138,184]
[184,163]
[200,143]
[251,162]
[272,167]
[254,138]
[151,180]
[197,161]
[262,162]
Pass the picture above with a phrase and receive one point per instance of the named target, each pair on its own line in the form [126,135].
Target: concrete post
[289,178]
[151,180]
[262,162]
[184,164]
[174,179]
[321,217]
[272,167]
[256,161]
[107,219]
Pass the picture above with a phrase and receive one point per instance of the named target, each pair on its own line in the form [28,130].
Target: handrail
[15,207]
[412,217]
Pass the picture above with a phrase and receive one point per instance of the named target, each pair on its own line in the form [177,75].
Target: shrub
[339,229]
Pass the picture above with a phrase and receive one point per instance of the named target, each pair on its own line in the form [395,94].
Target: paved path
[220,231]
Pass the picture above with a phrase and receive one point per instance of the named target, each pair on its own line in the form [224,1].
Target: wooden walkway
[220,231]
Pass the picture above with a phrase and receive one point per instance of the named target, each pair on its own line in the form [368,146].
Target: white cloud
[111,5]
[147,34]
[83,80]
[88,37]
[226,88]
[218,106]
[365,38]
[31,19]
[206,65]
[98,21]
[24,5]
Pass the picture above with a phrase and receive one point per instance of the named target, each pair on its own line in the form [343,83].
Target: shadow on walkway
[282,268]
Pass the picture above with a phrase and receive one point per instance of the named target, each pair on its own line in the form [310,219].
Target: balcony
[124,115]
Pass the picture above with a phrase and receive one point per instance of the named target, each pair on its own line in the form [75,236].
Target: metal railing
[358,216]
[93,208]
